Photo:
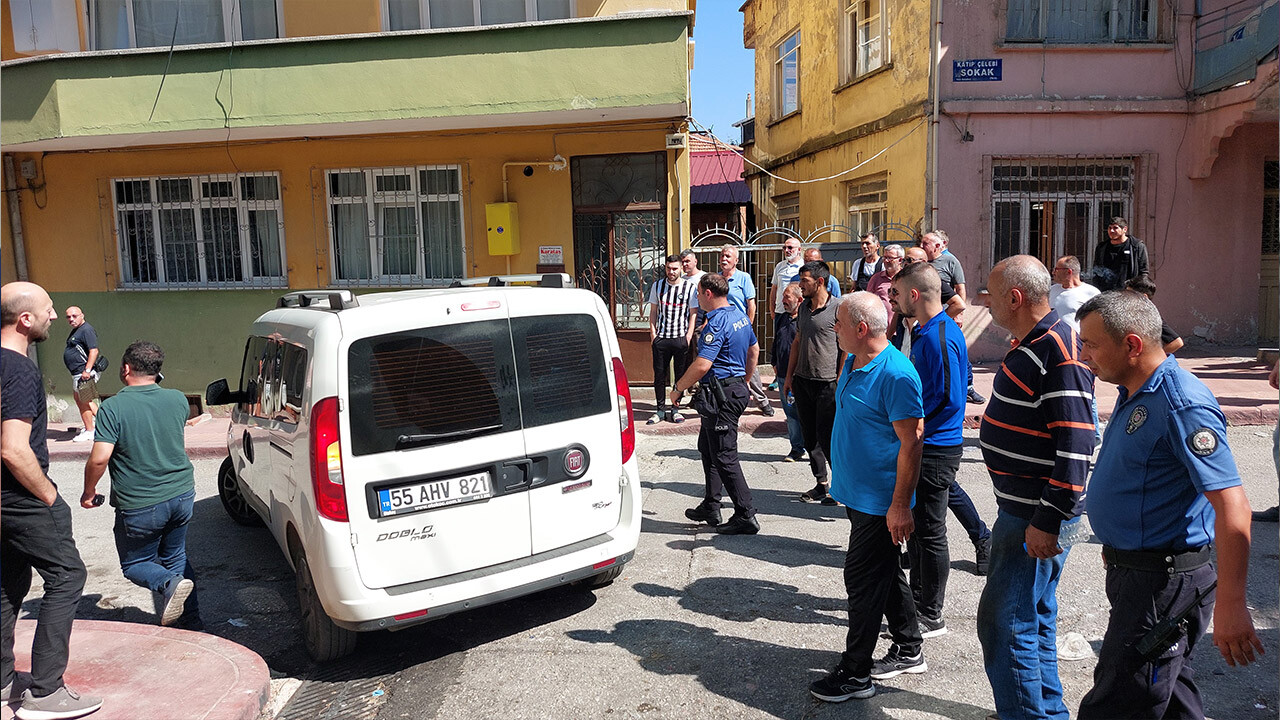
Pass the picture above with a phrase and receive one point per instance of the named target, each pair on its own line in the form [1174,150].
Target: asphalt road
[698,625]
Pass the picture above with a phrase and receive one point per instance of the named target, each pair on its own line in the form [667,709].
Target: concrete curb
[148,671]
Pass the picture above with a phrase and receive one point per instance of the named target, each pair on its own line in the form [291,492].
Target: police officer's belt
[1166,561]
[733,379]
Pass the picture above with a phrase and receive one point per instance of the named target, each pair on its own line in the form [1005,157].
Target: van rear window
[432,385]
[444,384]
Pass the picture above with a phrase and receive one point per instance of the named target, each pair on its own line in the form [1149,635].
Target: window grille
[1270,216]
[396,226]
[204,231]
[1054,206]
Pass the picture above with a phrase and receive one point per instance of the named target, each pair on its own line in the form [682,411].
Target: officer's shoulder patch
[708,338]
[1136,419]
[1203,442]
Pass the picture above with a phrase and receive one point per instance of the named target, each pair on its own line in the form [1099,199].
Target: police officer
[1164,459]
[727,354]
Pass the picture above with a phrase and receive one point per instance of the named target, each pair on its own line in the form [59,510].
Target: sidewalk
[1235,377]
[145,672]
[206,439]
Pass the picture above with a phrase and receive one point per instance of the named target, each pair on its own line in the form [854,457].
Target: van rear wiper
[420,439]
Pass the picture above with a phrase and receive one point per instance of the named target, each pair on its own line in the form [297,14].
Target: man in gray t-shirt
[812,370]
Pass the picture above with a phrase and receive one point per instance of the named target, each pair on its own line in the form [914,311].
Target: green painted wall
[612,63]
[202,333]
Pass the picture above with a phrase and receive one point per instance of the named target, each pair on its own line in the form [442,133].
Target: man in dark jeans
[673,304]
[940,357]
[140,437]
[35,524]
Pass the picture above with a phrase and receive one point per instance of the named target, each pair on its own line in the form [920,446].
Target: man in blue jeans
[139,436]
[1036,438]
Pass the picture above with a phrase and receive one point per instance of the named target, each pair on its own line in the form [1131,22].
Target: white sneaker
[84,436]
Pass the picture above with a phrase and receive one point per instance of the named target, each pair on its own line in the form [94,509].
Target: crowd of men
[874,387]
[137,434]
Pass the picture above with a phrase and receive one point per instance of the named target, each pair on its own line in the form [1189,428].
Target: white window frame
[787,209]
[230,19]
[1042,8]
[374,201]
[198,203]
[779,76]
[852,20]
[1094,199]
[424,13]
[62,34]
[868,204]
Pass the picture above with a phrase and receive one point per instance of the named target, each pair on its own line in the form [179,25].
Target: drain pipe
[936,51]
[15,219]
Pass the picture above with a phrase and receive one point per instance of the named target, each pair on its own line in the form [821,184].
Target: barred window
[868,204]
[1054,206]
[1083,21]
[204,231]
[396,226]
[788,207]
[1271,208]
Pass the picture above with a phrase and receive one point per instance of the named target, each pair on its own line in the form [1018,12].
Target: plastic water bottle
[791,398]
[1073,532]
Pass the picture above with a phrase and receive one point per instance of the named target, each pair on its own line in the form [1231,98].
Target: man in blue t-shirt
[875,460]
[940,356]
[727,355]
[1164,460]
[742,295]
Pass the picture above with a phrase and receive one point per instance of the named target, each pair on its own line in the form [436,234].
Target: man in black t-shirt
[80,357]
[35,523]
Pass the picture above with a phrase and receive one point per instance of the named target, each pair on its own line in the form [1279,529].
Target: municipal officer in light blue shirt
[876,445]
[742,295]
[727,355]
[1164,489]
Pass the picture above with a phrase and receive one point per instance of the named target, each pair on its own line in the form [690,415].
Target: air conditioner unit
[677,141]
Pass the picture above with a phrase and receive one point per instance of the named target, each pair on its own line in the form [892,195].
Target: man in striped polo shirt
[1036,438]
[673,303]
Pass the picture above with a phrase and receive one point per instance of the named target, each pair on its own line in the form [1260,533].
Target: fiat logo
[575,462]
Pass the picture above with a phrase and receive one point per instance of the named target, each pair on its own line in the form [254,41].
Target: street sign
[976,70]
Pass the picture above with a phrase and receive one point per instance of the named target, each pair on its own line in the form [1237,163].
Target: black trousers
[718,445]
[877,588]
[34,535]
[930,556]
[664,351]
[1124,683]
[816,409]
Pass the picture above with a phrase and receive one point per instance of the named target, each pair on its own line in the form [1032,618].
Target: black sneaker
[709,514]
[975,397]
[818,494]
[931,627]
[840,685]
[739,525]
[982,555]
[894,663]
[794,456]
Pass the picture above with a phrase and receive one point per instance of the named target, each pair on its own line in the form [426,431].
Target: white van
[422,452]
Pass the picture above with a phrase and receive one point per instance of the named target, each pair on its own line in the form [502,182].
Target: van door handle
[515,474]
[248,446]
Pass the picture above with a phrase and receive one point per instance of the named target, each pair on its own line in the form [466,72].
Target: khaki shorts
[86,391]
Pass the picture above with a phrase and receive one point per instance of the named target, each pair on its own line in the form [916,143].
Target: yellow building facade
[174,198]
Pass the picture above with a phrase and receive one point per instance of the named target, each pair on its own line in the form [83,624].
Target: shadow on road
[745,600]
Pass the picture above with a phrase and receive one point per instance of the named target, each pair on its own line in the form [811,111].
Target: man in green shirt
[139,436]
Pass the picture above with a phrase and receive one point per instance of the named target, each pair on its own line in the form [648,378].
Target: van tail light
[625,419]
[326,461]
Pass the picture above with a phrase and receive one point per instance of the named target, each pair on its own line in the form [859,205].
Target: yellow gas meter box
[504,228]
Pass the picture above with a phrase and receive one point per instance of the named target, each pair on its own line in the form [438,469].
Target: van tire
[604,578]
[233,498]
[325,641]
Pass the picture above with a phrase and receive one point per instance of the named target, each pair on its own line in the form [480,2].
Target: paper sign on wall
[550,254]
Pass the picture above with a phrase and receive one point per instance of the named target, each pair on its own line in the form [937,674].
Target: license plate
[434,494]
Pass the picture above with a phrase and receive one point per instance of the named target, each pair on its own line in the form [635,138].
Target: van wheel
[232,499]
[324,640]
[604,578]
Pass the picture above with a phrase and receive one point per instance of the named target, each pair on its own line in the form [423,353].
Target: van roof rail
[337,299]
[548,280]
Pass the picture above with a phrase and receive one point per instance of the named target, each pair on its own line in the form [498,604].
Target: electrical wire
[231,89]
[177,8]
[842,173]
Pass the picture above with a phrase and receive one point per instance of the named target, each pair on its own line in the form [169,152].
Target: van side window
[251,373]
[562,372]
[293,378]
[455,382]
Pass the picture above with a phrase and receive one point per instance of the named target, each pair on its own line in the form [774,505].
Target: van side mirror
[219,393]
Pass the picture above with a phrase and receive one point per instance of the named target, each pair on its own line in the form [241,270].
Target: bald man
[35,525]
[81,358]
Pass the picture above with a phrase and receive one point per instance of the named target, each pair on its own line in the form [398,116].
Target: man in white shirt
[1069,292]
[783,273]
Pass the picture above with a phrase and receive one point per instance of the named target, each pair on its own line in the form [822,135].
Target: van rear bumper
[437,612]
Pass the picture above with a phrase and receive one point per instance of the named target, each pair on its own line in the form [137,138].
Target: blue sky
[723,70]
